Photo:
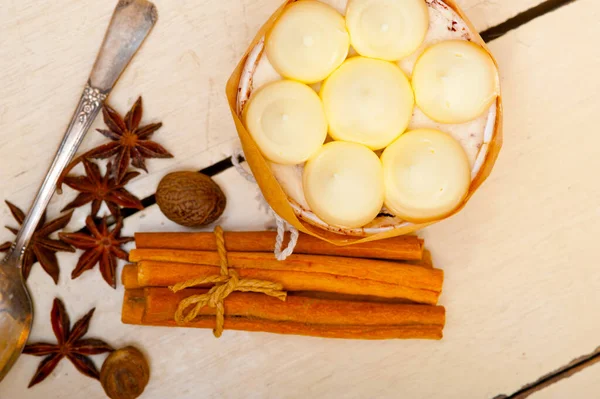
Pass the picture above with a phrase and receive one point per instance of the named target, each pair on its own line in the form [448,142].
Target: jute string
[225,283]
[282,225]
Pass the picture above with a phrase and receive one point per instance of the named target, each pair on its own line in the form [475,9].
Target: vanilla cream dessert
[472,136]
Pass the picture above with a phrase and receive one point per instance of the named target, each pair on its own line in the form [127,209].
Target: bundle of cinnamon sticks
[378,290]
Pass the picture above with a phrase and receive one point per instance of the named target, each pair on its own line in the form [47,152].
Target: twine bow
[225,283]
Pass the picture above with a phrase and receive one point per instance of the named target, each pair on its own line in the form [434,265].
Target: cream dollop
[343,184]
[367,101]
[308,41]
[426,174]
[286,120]
[455,81]
[387,29]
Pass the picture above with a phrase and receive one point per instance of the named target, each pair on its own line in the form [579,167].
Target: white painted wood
[583,385]
[521,275]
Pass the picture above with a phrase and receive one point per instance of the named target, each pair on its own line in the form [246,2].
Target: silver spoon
[130,24]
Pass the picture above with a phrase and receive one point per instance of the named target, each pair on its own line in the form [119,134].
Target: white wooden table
[522,279]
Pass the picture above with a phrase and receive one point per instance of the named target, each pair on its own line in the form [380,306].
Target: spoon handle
[130,24]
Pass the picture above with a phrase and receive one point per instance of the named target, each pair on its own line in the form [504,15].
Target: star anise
[41,248]
[96,188]
[101,246]
[131,143]
[70,345]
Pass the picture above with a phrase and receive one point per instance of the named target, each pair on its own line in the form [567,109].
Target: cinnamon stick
[129,277]
[163,274]
[426,260]
[298,315]
[397,248]
[406,275]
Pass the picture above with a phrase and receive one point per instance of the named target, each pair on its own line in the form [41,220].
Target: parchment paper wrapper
[275,195]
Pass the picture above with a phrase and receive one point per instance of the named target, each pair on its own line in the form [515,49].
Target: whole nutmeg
[125,374]
[190,198]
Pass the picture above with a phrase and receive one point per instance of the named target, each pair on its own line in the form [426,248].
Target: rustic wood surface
[522,281]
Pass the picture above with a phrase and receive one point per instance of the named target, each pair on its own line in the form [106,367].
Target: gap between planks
[522,18]
[564,372]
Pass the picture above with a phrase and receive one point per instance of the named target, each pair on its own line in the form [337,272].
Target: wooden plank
[540,279]
[521,275]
